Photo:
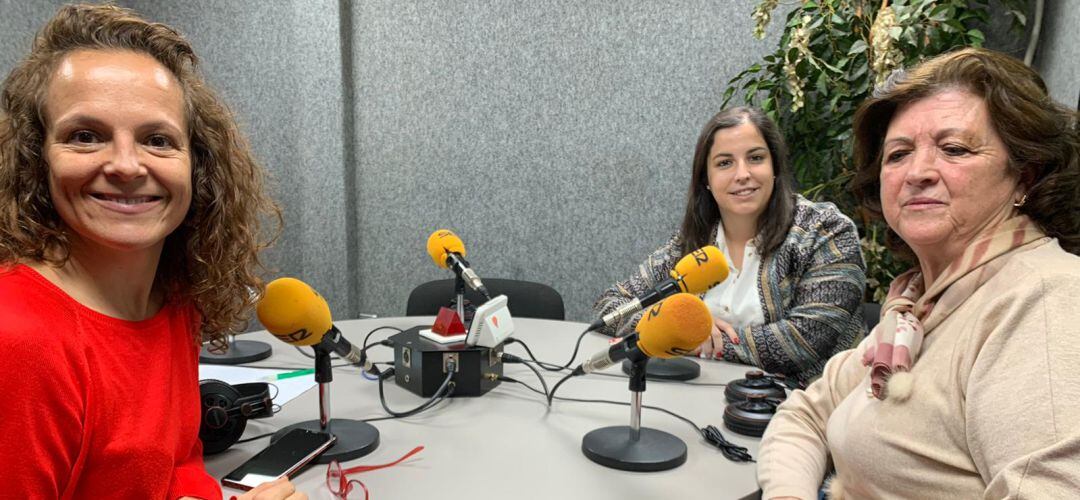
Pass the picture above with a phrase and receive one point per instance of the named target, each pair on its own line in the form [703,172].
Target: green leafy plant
[831,55]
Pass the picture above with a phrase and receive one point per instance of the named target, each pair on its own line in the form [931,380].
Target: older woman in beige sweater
[970,385]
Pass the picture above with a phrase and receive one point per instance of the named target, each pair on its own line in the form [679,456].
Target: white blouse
[735,300]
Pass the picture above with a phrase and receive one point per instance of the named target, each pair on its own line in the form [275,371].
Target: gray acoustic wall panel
[19,22]
[1058,56]
[278,65]
[554,137]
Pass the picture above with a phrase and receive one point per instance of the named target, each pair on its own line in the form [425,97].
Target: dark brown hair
[212,258]
[1040,135]
[701,210]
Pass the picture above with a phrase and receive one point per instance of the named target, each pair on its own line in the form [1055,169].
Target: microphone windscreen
[700,270]
[443,242]
[294,312]
[674,326]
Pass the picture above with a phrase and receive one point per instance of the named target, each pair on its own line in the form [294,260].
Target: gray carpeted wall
[1058,57]
[554,137]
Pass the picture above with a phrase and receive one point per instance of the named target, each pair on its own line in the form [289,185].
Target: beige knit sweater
[994,410]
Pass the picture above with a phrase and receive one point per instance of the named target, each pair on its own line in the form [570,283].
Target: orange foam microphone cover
[442,242]
[674,326]
[700,270]
[294,312]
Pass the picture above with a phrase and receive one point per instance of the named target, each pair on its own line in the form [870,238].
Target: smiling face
[740,172]
[944,175]
[117,149]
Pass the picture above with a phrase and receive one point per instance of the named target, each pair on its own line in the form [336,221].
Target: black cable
[543,383]
[548,366]
[442,393]
[551,395]
[527,386]
[376,419]
[312,356]
[577,346]
[663,381]
[302,351]
[364,346]
[730,450]
[711,434]
[293,368]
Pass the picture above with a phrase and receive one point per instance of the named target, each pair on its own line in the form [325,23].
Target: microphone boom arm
[462,269]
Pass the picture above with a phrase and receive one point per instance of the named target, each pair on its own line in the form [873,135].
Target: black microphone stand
[239,351]
[459,289]
[668,369]
[355,438]
[634,448]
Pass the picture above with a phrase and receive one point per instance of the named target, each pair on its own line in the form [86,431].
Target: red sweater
[93,406]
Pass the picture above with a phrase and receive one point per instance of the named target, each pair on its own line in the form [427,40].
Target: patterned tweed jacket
[810,288]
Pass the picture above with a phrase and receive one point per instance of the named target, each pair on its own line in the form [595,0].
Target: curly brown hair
[1040,135]
[212,258]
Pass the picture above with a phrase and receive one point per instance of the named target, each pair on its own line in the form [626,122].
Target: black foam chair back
[526,299]
[871,314]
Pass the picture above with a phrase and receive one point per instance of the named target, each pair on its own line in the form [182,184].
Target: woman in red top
[129,232]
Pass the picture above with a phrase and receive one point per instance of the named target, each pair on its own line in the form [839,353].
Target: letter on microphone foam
[701,270]
[673,327]
[294,312]
[441,243]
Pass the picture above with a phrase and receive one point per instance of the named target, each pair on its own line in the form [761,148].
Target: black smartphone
[285,457]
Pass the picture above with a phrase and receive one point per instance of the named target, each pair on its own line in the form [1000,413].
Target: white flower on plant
[885,55]
[800,41]
[762,15]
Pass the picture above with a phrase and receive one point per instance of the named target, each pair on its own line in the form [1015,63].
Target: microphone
[671,328]
[296,314]
[448,252]
[695,273]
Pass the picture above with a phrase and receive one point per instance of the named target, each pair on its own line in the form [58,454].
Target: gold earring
[1020,203]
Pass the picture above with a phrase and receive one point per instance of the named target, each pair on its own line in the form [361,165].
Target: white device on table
[285,457]
[491,324]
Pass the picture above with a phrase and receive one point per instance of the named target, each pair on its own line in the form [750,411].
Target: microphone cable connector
[374,370]
[510,358]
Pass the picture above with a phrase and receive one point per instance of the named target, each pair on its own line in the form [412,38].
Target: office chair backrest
[871,314]
[526,298]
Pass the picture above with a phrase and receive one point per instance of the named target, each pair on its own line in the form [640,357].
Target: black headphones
[752,401]
[226,409]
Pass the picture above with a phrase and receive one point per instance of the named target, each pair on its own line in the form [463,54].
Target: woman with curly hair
[130,210]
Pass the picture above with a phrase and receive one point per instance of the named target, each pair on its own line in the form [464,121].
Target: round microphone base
[668,369]
[654,450]
[354,438]
[240,351]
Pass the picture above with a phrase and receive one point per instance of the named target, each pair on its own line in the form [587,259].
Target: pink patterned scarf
[912,311]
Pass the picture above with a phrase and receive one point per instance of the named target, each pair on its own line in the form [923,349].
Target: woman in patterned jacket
[797,278]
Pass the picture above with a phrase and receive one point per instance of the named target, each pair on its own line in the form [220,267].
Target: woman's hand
[715,343]
[280,489]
